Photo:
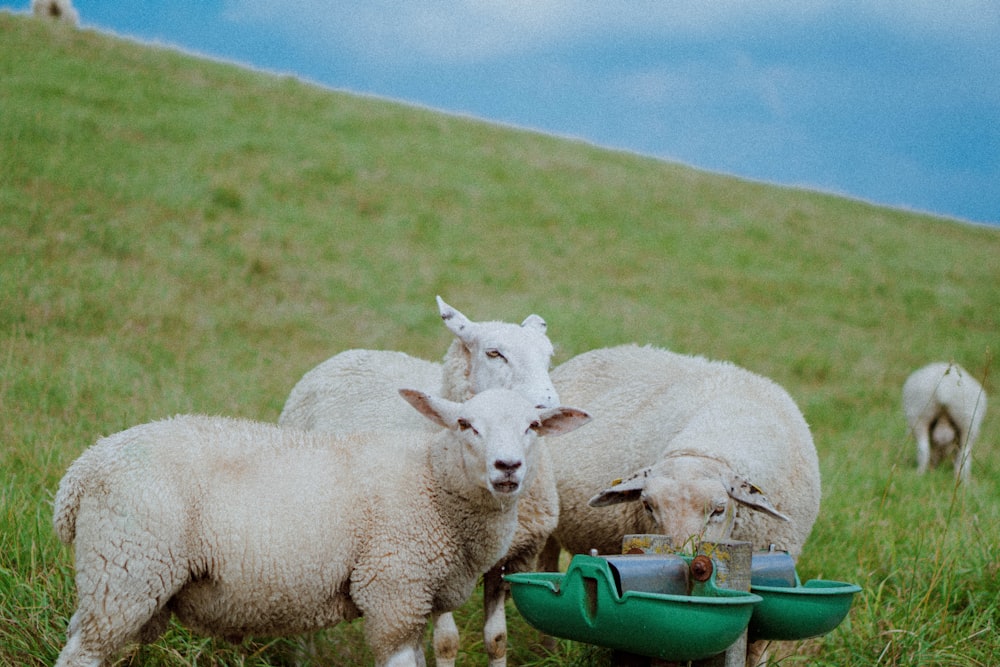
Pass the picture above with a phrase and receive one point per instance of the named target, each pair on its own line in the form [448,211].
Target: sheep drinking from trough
[697,449]
[243,528]
[356,389]
[695,443]
[944,408]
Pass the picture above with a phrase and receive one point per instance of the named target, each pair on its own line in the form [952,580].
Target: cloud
[469,31]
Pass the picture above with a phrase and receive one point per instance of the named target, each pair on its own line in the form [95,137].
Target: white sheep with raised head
[242,528]
[357,389]
[697,449]
[57,10]
[944,408]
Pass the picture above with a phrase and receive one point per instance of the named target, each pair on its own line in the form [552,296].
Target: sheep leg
[396,637]
[445,640]
[75,653]
[495,617]
[923,448]
[121,598]
[548,561]
[758,654]
[93,638]
[405,656]
[963,459]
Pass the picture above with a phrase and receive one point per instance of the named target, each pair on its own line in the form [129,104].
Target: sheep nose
[507,466]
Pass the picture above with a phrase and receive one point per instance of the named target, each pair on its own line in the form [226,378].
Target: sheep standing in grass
[242,528]
[57,10]
[693,446]
[358,389]
[944,408]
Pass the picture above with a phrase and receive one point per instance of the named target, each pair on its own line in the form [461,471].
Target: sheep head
[503,355]
[689,498]
[498,430]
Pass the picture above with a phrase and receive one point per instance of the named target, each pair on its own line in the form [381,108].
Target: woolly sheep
[358,389]
[57,10]
[244,528]
[693,444]
[944,408]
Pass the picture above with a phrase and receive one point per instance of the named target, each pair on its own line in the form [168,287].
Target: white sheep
[57,10]
[243,528]
[358,389]
[944,408]
[692,446]
[694,443]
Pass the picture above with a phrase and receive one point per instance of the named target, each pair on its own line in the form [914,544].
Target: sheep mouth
[506,487]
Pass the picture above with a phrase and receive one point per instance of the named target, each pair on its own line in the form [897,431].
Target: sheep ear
[556,421]
[743,491]
[457,323]
[534,322]
[440,411]
[622,491]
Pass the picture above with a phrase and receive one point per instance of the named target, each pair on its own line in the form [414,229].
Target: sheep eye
[646,506]
[494,353]
[464,425]
[717,511]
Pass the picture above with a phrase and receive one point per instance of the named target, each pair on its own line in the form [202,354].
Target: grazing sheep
[242,528]
[358,389]
[944,408]
[692,446]
[57,10]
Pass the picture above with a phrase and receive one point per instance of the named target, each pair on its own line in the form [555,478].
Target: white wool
[56,10]
[944,408]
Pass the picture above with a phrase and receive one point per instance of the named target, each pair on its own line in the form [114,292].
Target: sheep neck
[478,520]
[455,371]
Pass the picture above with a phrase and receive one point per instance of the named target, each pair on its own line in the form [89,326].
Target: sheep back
[358,390]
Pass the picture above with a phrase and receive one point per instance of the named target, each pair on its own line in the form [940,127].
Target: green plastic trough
[586,605]
[808,610]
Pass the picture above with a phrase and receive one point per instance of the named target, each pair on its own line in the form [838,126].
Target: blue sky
[891,101]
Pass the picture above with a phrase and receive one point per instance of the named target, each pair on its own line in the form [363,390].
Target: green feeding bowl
[807,610]
[585,604]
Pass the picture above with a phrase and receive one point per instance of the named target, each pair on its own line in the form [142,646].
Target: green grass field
[180,235]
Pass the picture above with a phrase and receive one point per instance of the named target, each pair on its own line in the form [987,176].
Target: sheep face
[498,431]
[689,498]
[504,355]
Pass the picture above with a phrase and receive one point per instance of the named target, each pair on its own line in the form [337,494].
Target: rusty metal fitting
[701,568]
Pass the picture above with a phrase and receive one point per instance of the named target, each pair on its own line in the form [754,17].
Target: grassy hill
[180,235]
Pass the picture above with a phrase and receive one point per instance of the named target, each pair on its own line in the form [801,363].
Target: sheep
[944,408]
[357,388]
[691,445]
[244,528]
[57,10]
[360,385]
